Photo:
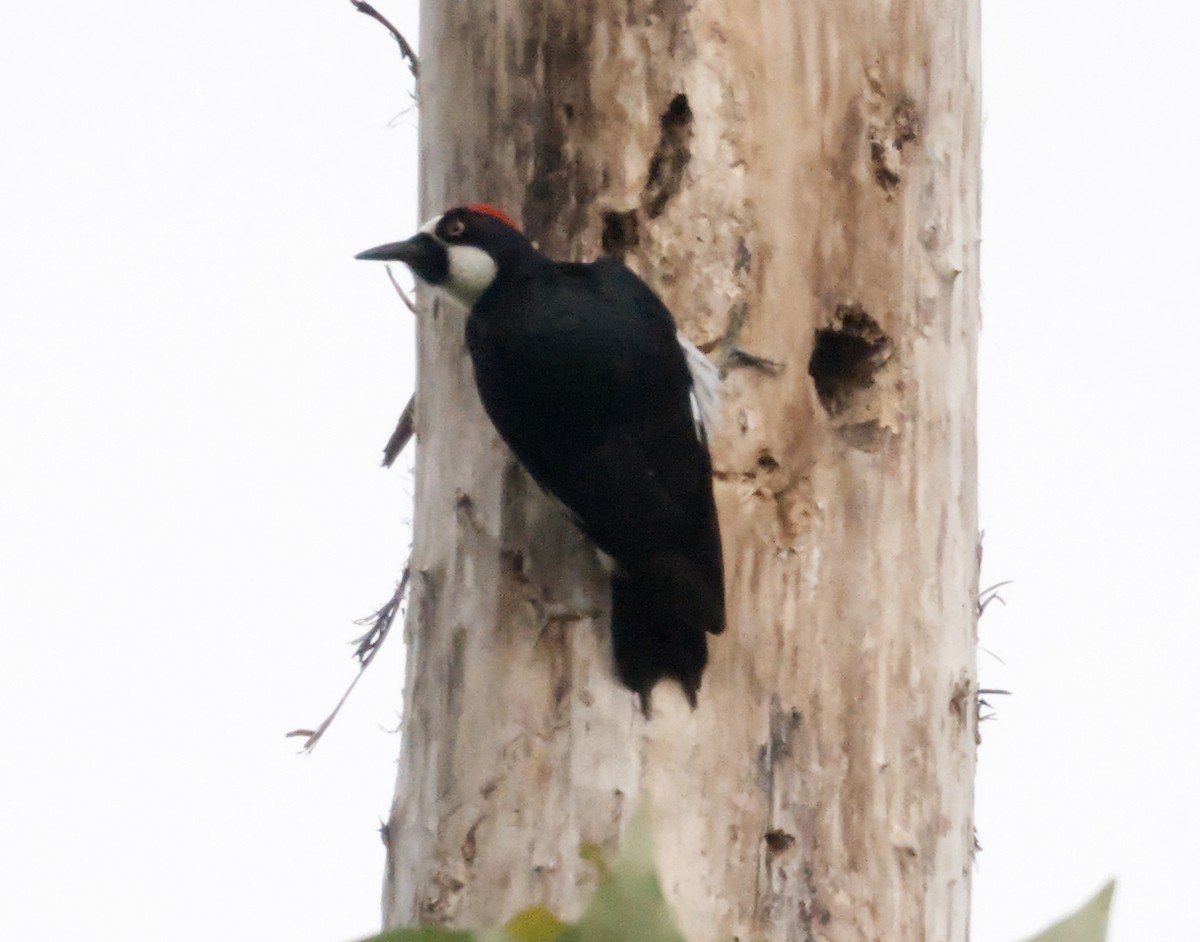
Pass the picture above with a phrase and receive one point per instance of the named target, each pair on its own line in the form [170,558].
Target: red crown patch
[494,213]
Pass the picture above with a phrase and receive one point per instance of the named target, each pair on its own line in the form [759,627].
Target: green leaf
[1089,924]
[535,924]
[593,853]
[628,905]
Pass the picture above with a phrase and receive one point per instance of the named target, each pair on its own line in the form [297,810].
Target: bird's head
[461,251]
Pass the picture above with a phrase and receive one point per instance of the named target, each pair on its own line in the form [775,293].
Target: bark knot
[886,139]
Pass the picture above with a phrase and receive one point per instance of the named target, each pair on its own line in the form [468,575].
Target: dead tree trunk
[799,179]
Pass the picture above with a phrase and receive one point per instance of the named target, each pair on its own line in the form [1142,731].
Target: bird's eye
[455,228]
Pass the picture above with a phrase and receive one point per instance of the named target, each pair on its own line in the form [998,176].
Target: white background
[196,379]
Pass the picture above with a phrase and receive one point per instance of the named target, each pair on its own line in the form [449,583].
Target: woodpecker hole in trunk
[846,360]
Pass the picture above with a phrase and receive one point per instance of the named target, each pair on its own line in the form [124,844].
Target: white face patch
[472,271]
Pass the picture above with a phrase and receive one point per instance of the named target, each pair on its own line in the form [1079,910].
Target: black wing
[589,386]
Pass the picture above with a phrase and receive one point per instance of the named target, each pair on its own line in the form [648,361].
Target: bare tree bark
[800,179]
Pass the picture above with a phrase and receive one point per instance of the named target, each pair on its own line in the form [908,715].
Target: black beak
[422,253]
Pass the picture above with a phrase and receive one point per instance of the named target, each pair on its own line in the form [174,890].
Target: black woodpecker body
[581,370]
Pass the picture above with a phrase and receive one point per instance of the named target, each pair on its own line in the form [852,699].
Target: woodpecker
[580,368]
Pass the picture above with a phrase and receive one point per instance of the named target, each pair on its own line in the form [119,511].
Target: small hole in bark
[515,560]
[568,111]
[907,122]
[846,356]
[778,841]
[885,174]
[619,233]
[767,462]
[678,113]
[468,845]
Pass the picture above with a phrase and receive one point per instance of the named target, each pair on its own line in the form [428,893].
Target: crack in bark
[664,177]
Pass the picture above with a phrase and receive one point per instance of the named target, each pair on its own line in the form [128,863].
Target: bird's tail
[658,635]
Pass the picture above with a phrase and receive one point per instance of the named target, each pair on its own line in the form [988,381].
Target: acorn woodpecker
[580,368]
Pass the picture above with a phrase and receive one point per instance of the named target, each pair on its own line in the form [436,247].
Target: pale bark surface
[819,173]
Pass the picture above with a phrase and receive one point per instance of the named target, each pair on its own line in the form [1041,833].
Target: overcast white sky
[196,379]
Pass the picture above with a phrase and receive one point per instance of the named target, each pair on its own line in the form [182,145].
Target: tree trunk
[799,179]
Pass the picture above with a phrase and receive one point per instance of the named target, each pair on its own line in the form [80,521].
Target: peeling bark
[801,179]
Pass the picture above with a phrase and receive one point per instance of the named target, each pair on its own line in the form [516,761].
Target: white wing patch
[706,389]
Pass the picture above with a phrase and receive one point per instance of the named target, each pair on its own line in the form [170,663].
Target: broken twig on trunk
[405,426]
[368,646]
[410,54]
